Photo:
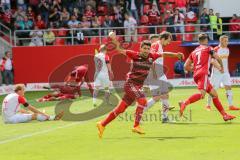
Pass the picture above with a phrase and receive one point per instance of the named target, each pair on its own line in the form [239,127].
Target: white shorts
[160,86]
[102,80]
[217,79]
[18,118]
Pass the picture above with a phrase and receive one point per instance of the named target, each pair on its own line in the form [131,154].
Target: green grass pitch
[201,135]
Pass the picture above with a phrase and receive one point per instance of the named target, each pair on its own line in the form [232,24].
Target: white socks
[165,108]
[41,117]
[229,97]
[150,103]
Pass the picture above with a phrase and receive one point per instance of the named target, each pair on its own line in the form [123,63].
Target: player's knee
[121,107]
[142,101]
[203,93]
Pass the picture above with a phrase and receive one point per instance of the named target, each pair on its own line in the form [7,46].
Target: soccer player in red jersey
[201,58]
[141,64]
[79,75]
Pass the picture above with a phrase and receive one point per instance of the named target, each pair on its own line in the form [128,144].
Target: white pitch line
[38,133]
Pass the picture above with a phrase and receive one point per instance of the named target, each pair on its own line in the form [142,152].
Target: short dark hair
[145,43]
[202,37]
[165,35]
[6,52]
[153,36]
[19,87]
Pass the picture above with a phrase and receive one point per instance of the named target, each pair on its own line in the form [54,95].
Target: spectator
[7,68]
[169,20]
[108,23]
[89,13]
[235,27]
[181,5]
[86,26]
[56,4]
[43,8]
[6,5]
[49,37]
[64,16]
[178,21]
[219,25]
[204,19]
[118,15]
[76,13]
[134,6]
[19,14]
[30,14]
[95,24]
[153,15]
[179,67]
[213,24]
[54,17]
[73,23]
[22,3]
[91,3]
[130,28]
[36,37]
[40,23]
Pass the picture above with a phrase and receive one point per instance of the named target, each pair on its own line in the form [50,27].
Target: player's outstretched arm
[112,36]
[188,65]
[35,110]
[216,64]
[178,55]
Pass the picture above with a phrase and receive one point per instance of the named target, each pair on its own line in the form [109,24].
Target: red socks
[193,98]
[139,111]
[113,114]
[218,105]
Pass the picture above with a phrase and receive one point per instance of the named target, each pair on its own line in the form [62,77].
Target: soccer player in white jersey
[102,72]
[218,77]
[12,113]
[157,80]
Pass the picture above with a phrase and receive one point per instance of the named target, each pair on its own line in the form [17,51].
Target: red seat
[85,40]
[189,28]
[163,1]
[179,37]
[141,38]
[59,42]
[194,2]
[188,37]
[171,1]
[62,32]
[144,19]
[143,30]
[105,40]
[95,40]
[162,8]
[146,8]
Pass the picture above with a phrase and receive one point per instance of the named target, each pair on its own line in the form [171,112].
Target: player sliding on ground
[102,71]
[12,113]
[71,88]
[141,64]
[217,77]
[200,58]
[158,83]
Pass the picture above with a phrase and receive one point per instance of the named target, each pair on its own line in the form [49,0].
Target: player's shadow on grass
[170,138]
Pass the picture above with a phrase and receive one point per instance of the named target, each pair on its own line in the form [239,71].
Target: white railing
[101,33]
[5,39]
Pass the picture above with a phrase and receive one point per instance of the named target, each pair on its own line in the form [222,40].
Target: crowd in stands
[82,15]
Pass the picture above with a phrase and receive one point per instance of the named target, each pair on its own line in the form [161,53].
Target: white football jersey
[101,61]
[224,54]
[157,48]
[11,104]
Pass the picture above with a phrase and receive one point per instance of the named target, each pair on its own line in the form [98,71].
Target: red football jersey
[201,58]
[140,67]
[80,72]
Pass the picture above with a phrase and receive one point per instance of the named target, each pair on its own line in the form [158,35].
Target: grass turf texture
[201,135]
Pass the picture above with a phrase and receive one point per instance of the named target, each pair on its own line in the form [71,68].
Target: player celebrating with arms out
[12,113]
[217,77]
[201,58]
[102,71]
[141,64]
[157,80]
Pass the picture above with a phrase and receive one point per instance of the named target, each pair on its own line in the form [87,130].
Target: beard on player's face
[144,52]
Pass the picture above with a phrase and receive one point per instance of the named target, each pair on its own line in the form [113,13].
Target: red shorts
[203,83]
[132,93]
